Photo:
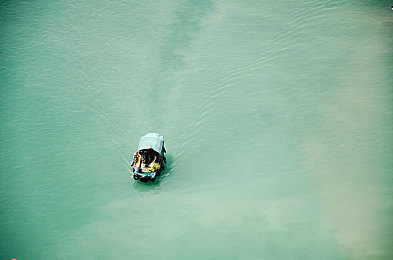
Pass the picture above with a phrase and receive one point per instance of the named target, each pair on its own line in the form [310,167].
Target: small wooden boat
[149,160]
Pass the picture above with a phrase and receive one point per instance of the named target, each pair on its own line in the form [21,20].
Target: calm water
[278,119]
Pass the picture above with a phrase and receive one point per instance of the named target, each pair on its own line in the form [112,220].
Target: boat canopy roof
[153,141]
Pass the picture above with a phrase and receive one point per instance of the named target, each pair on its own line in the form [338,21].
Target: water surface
[277,117]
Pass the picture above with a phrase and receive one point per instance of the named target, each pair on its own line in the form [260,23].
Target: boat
[149,160]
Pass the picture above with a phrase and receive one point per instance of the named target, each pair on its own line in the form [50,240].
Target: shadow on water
[155,186]
[147,186]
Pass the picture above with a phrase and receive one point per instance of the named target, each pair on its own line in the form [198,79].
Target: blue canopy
[153,141]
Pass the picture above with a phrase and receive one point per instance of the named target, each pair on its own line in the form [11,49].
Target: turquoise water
[277,117]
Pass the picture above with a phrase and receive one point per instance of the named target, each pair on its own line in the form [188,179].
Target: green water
[277,117]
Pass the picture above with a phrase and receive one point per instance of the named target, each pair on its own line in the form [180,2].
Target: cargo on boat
[149,160]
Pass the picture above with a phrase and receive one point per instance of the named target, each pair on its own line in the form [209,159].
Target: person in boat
[145,161]
[135,159]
